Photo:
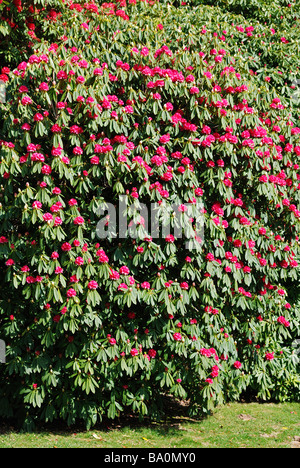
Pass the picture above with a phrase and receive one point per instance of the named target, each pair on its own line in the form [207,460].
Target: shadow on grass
[175,414]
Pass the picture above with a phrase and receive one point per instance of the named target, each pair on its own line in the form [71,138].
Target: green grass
[236,425]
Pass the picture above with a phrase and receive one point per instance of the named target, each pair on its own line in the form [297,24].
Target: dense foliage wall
[111,99]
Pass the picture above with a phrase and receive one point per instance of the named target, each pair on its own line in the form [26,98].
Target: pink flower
[79,261]
[26,100]
[47,217]
[26,127]
[215,371]
[198,192]
[124,270]
[210,257]
[194,90]
[93,285]
[103,258]
[190,79]
[71,293]
[79,221]
[134,352]
[269,356]
[114,275]
[94,160]
[46,170]
[208,75]
[66,247]
[73,202]
[128,109]
[56,151]
[283,321]
[38,117]
[131,280]
[145,51]
[237,364]
[177,337]
[98,71]
[165,138]
[80,79]
[281,292]
[37,205]
[77,150]
[152,353]
[61,105]
[145,285]
[44,87]
[74,279]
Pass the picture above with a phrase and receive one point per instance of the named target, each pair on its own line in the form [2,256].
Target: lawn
[236,425]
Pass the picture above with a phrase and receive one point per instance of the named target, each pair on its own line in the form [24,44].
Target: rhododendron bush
[127,100]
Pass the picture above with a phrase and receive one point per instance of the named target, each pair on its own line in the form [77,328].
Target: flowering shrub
[123,99]
[17,29]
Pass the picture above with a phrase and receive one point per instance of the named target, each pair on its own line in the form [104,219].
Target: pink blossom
[283,321]
[177,337]
[269,356]
[71,293]
[237,364]
[165,138]
[37,205]
[79,221]
[103,258]
[66,247]
[72,202]
[48,217]
[46,169]
[114,275]
[79,261]
[124,270]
